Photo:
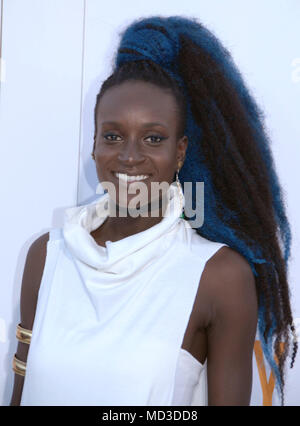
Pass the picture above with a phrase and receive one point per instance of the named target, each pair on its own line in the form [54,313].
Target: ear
[181,148]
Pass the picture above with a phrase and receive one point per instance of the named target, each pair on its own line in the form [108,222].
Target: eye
[110,134]
[156,137]
[111,137]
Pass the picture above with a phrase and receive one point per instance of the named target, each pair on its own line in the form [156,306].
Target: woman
[136,310]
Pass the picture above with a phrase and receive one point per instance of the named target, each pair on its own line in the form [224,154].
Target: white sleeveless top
[110,321]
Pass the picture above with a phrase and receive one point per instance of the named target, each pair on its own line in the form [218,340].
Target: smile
[126,178]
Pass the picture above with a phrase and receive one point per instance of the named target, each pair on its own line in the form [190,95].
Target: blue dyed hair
[228,149]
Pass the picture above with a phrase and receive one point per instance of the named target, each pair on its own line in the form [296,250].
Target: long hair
[228,150]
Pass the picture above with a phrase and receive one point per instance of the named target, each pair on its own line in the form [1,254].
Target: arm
[232,329]
[32,275]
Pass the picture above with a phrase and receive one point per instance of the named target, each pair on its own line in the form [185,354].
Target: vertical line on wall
[81,98]
[1,26]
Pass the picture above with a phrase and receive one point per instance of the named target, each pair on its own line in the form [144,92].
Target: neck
[123,224]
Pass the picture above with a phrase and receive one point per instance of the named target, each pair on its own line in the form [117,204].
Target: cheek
[166,164]
[103,149]
[103,155]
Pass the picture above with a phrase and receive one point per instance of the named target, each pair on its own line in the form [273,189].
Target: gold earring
[93,156]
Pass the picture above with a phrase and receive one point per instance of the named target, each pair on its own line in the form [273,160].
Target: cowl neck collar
[127,254]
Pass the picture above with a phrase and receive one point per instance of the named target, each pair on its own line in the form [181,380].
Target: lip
[132,174]
[133,181]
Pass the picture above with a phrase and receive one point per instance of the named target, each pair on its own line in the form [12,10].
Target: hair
[229,150]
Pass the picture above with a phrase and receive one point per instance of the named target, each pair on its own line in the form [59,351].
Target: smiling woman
[144,309]
[139,142]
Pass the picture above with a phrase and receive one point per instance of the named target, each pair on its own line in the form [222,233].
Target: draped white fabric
[110,320]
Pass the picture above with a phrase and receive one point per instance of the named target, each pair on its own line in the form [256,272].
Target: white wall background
[54,56]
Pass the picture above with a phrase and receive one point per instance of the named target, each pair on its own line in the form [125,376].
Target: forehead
[137,100]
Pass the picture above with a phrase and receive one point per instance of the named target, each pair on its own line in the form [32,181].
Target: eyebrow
[154,123]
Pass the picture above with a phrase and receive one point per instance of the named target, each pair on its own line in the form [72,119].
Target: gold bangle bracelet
[23,335]
[18,366]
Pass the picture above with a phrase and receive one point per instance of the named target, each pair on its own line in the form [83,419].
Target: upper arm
[232,329]
[32,275]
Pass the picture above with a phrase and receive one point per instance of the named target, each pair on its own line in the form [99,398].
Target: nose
[130,155]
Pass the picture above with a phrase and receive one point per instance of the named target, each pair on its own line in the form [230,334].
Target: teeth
[127,178]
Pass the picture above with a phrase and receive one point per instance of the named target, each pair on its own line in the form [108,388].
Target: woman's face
[136,135]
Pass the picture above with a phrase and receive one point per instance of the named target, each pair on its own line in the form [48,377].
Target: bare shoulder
[32,275]
[228,284]
[227,262]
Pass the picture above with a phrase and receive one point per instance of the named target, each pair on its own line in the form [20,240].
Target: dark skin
[223,321]
[134,147]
